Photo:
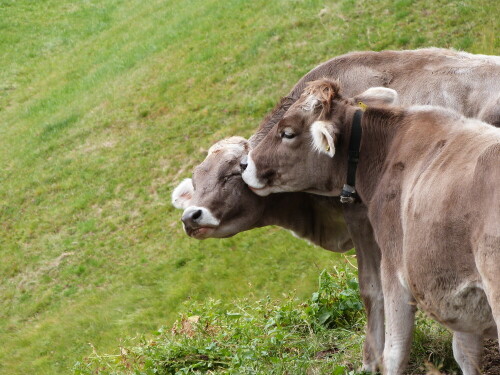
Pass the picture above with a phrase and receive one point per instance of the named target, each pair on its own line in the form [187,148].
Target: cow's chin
[221,231]
[265,191]
[201,233]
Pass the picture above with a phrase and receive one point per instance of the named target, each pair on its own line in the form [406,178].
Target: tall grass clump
[264,336]
[320,335]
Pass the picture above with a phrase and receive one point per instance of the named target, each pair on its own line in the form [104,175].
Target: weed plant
[321,335]
[251,337]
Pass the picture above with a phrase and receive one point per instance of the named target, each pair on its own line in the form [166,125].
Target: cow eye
[287,133]
[229,176]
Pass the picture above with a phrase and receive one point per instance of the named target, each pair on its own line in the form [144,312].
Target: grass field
[106,105]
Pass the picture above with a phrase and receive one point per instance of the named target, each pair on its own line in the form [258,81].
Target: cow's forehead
[222,157]
[237,145]
[306,103]
[217,163]
[294,118]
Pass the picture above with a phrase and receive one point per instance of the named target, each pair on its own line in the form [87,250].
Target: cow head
[216,201]
[298,153]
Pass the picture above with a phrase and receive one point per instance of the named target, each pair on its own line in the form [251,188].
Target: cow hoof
[369,367]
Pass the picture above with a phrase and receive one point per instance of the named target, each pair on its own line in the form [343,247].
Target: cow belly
[465,310]
[460,305]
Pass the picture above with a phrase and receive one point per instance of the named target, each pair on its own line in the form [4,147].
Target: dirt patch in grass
[491,359]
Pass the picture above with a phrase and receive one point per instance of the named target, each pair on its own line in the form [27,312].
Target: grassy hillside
[106,105]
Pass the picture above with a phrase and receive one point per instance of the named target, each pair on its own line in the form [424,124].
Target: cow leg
[370,286]
[371,293]
[467,350]
[399,322]
[488,264]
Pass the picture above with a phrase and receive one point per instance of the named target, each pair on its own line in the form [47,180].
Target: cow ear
[377,95]
[323,137]
[182,194]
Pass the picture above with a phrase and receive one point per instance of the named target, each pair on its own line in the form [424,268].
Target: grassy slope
[105,106]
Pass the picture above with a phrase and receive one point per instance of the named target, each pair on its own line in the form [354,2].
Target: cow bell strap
[348,194]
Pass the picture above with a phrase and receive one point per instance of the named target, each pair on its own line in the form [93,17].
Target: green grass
[319,335]
[106,106]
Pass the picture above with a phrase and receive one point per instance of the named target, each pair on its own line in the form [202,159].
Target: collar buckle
[348,194]
[347,200]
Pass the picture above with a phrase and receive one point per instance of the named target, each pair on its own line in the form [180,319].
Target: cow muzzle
[199,222]
[251,177]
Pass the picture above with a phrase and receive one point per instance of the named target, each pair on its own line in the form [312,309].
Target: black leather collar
[348,194]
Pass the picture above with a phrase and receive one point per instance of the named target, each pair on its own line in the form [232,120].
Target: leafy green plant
[337,302]
[322,334]
[259,337]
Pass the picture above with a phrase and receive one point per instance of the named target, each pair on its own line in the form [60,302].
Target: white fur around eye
[322,139]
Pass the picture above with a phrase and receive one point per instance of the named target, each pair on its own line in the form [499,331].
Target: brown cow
[426,76]
[430,179]
[222,206]
[461,81]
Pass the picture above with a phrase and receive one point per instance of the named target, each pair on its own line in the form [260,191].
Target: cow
[217,203]
[465,82]
[435,76]
[430,179]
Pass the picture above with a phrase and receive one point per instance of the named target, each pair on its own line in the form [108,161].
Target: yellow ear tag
[362,105]
[328,148]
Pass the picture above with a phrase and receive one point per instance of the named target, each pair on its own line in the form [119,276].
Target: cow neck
[309,216]
[379,129]
[287,210]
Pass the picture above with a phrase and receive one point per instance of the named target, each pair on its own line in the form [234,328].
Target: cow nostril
[196,215]
[244,163]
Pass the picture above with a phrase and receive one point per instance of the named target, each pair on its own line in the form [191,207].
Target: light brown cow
[431,181]
[427,76]
[461,81]
[222,205]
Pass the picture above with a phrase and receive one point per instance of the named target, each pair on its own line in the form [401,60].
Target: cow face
[298,153]
[216,201]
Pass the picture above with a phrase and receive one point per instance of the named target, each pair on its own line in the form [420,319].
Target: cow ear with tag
[182,194]
[377,96]
[323,137]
